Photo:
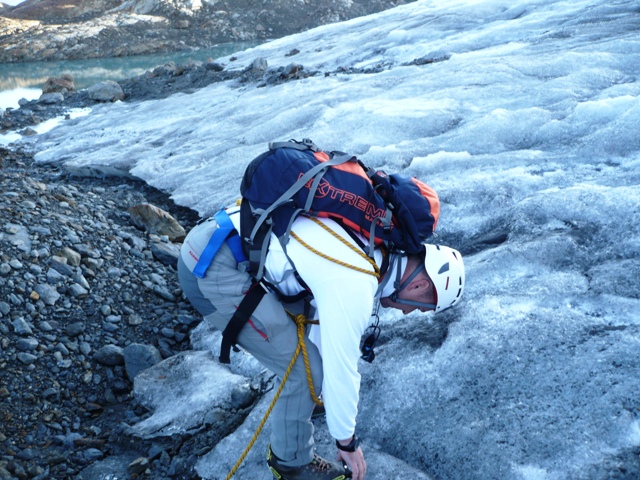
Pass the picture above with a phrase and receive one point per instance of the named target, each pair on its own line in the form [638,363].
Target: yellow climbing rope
[376,269]
[301,321]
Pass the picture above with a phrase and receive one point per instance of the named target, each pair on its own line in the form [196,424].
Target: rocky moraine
[88,297]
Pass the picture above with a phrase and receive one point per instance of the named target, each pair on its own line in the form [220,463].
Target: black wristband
[351,447]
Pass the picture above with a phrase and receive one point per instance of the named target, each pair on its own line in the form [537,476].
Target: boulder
[107,91]
[188,392]
[138,357]
[28,132]
[51,98]
[156,221]
[110,355]
[259,66]
[63,84]
[166,253]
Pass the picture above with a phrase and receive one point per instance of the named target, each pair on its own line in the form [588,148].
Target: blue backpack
[297,178]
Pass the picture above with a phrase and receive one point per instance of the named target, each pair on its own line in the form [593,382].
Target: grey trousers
[271,337]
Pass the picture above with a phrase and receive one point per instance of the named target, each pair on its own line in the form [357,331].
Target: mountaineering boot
[318,469]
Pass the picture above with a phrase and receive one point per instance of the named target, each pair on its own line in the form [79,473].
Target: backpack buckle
[307,142]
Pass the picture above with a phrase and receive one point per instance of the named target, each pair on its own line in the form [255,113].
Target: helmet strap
[401,286]
[431,306]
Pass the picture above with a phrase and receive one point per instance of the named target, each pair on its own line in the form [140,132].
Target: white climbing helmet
[445,267]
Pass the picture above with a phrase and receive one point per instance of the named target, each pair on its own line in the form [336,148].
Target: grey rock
[21,327]
[26,454]
[188,320]
[259,65]
[82,281]
[135,319]
[158,279]
[16,299]
[51,98]
[28,132]
[27,358]
[107,91]
[134,241]
[44,475]
[138,466]
[45,326]
[48,294]
[35,269]
[214,66]
[78,291]
[27,344]
[163,293]
[110,355]
[93,263]
[93,454]
[166,253]
[110,327]
[49,393]
[54,276]
[85,348]
[115,272]
[138,357]
[75,329]
[16,264]
[59,264]
[5,308]
[18,236]
[40,230]
[73,257]
[63,83]
[167,332]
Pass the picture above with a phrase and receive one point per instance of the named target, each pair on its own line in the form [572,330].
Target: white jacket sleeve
[344,299]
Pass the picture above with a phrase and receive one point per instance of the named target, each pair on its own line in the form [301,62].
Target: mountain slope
[74,29]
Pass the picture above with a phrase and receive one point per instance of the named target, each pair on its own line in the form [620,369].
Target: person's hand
[355,462]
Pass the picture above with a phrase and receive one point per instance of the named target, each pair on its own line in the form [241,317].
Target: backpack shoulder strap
[225,232]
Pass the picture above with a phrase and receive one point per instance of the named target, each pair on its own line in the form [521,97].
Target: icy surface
[525,117]
[185,392]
